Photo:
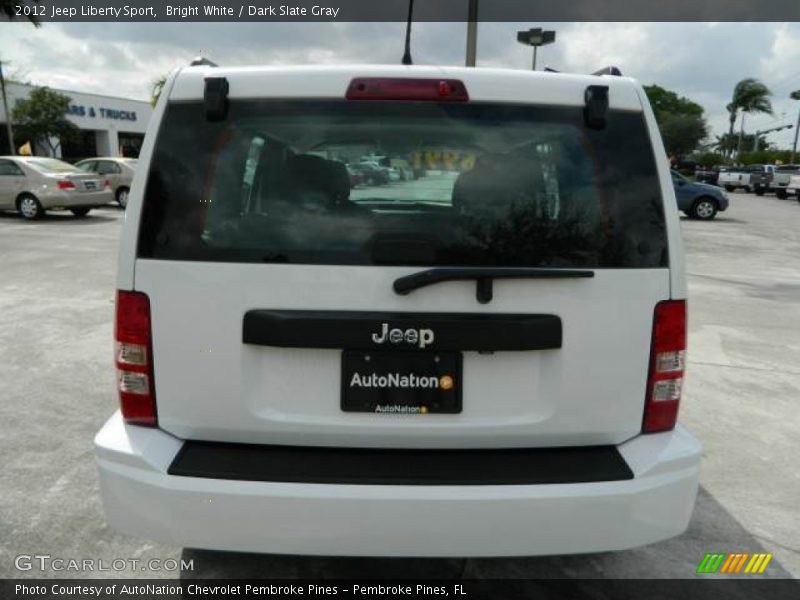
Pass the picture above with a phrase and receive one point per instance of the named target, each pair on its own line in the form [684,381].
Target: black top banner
[538,11]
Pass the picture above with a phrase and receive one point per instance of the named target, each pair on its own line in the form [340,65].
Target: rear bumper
[63,199]
[140,498]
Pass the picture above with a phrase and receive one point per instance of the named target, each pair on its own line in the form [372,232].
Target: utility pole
[7,112]
[795,96]
[472,33]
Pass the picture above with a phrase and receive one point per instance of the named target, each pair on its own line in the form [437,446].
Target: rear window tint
[365,183]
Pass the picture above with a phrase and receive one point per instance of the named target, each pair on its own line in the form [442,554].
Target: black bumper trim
[366,466]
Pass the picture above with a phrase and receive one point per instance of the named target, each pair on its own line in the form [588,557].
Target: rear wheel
[781,194]
[30,207]
[730,188]
[80,212]
[759,192]
[122,197]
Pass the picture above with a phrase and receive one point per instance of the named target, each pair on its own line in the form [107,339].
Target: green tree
[709,159]
[765,157]
[155,89]
[10,7]
[680,120]
[728,143]
[666,101]
[682,134]
[42,117]
[749,96]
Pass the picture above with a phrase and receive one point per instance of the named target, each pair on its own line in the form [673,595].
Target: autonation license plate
[411,383]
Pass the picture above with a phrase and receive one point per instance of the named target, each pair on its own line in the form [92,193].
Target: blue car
[698,200]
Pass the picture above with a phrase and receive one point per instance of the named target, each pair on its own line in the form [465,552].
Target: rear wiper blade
[483,276]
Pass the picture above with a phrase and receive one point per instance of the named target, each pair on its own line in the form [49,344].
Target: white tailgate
[211,386]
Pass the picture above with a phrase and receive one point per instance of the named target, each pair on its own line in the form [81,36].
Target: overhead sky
[702,61]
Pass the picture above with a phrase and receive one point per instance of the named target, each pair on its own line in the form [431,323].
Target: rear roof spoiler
[202,61]
[609,71]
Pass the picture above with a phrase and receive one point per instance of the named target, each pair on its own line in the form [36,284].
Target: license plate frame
[382,389]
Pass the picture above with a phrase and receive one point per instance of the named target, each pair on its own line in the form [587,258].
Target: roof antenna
[407,53]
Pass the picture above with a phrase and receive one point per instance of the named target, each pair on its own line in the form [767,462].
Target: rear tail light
[106,184]
[667,363]
[65,184]
[134,358]
[406,88]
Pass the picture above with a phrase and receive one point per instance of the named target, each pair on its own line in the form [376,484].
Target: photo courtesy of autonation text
[424,299]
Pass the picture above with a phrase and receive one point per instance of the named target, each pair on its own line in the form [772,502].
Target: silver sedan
[119,172]
[32,185]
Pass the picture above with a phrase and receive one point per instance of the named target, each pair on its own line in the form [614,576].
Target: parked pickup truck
[761,178]
[707,175]
[793,187]
[780,182]
[732,178]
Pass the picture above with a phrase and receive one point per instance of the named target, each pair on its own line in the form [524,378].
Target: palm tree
[9,8]
[749,96]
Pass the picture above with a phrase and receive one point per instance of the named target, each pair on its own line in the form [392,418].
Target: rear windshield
[51,165]
[407,183]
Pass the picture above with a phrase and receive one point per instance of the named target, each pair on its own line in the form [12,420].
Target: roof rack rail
[609,71]
[199,61]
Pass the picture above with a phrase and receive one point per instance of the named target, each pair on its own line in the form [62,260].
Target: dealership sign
[78,110]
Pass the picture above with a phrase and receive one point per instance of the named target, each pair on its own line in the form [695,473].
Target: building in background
[109,126]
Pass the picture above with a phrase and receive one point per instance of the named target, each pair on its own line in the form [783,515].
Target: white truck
[783,178]
[793,186]
[733,178]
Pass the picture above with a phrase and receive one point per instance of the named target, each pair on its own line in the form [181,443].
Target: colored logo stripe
[710,563]
[758,564]
[734,563]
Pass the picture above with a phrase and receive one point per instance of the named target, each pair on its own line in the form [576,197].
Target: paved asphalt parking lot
[57,280]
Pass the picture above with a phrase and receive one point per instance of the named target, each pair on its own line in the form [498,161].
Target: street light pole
[536,37]
[795,96]
[7,112]
[472,33]
[757,140]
